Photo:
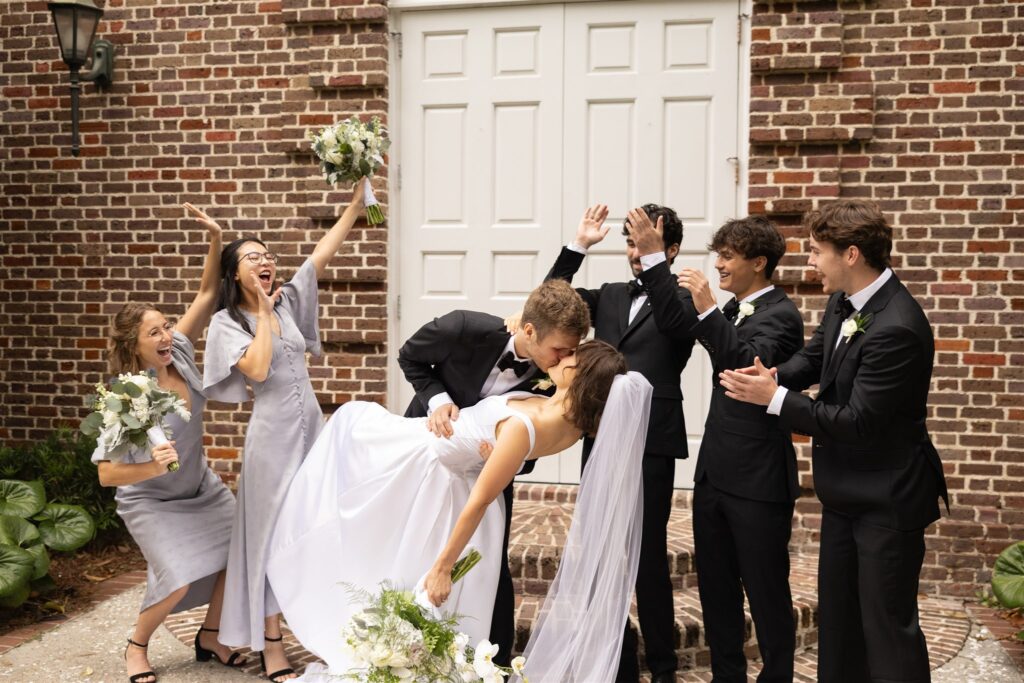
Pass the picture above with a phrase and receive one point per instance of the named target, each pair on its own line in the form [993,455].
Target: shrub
[28,526]
[62,463]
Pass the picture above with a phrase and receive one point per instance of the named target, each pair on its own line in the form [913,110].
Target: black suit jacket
[745,451]
[656,349]
[455,353]
[873,458]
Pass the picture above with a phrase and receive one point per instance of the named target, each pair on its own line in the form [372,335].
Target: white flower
[333,156]
[517,665]
[110,418]
[358,147]
[402,673]
[849,328]
[745,311]
[327,137]
[482,659]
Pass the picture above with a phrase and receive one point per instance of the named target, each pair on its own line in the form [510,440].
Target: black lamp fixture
[76,22]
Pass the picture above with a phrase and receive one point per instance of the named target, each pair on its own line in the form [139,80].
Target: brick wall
[917,105]
[210,104]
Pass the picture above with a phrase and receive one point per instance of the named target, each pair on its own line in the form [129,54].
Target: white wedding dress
[378,496]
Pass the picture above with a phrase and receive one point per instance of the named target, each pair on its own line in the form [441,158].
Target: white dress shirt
[647,262]
[859,300]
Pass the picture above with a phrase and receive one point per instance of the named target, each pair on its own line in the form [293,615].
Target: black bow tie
[844,308]
[731,309]
[635,288]
[509,361]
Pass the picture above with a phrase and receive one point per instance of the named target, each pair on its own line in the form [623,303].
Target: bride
[381,498]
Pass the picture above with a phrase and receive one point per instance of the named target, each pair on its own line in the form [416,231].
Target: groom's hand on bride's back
[440,421]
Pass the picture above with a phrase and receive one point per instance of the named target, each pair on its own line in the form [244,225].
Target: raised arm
[512,446]
[329,244]
[197,317]
[255,362]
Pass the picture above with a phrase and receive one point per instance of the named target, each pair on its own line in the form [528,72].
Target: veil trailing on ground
[578,635]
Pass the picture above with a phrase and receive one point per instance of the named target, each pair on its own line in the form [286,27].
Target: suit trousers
[655,606]
[867,603]
[743,545]
[503,622]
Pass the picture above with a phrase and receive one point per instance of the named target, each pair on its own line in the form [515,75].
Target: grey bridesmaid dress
[285,422]
[180,520]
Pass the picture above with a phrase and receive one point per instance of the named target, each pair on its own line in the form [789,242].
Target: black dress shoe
[664,677]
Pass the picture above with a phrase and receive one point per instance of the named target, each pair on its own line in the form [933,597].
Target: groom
[876,471]
[465,356]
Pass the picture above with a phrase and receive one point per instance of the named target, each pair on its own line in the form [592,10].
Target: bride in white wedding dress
[380,498]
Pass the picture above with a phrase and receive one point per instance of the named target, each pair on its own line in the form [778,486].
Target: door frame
[394,375]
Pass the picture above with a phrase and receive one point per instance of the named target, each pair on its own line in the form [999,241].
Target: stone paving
[542,517]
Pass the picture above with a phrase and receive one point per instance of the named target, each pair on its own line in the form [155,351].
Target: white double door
[512,120]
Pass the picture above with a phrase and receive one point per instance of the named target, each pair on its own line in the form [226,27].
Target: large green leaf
[21,498]
[1008,576]
[16,569]
[17,531]
[42,560]
[92,425]
[65,527]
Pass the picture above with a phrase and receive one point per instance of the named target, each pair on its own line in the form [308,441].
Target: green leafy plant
[28,526]
[1008,579]
[62,463]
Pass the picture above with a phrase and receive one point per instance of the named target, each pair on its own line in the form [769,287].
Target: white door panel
[513,120]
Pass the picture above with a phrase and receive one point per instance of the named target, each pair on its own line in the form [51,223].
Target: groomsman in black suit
[876,472]
[746,478]
[658,349]
[465,356]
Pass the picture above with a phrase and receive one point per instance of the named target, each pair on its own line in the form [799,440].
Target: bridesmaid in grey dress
[258,340]
[180,520]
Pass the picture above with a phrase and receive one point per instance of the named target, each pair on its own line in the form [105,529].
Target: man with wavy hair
[876,472]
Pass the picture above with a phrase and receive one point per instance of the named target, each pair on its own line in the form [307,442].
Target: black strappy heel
[204,655]
[145,674]
[263,664]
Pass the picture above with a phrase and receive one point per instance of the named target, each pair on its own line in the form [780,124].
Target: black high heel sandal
[263,664]
[145,674]
[204,655]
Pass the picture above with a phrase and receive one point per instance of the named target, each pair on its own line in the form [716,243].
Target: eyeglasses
[255,257]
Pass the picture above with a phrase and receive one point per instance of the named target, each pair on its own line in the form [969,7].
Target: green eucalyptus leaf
[113,404]
[130,421]
[1008,576]
[16,569]
[132,389]
[17,531]
[92,425]
[65,527]
[21,498]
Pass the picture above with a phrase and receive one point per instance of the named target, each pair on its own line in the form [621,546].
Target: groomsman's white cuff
[437,401]
[775,407]
[648,261]
[707,313]
[577,247]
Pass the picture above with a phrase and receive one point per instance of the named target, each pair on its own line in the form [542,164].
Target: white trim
[393,374]
[743,7]
[408,5]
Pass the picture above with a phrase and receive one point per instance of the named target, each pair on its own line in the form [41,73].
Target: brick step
[691,645]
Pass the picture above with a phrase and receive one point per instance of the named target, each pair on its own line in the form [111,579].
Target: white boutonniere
[855,325]
[543,383]
[746,310]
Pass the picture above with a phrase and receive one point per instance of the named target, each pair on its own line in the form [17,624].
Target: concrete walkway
[87,649]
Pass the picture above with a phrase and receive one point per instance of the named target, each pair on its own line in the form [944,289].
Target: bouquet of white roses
[396,639]
[351,150]
[131,412]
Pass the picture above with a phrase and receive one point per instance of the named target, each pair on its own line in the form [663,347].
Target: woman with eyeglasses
[258,339]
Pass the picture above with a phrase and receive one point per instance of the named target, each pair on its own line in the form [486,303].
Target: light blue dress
[285,422]
[180,520]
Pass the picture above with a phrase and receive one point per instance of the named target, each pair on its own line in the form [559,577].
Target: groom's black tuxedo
[658,349]
[746,482]
[455,354]
[878,477]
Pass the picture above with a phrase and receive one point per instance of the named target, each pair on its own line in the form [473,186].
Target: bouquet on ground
[396,639]
[130,413]
[351,150]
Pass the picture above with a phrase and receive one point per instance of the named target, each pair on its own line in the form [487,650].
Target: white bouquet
[395,639]
[131,412]
[351,150]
